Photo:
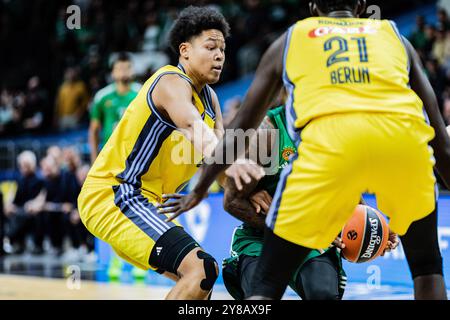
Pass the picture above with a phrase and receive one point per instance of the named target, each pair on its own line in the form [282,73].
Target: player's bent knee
[211,270]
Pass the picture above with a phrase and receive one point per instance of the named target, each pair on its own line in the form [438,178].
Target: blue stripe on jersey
[394,26]
[209,105]
[140,211]
[145,150]
[273,212]
[291,116]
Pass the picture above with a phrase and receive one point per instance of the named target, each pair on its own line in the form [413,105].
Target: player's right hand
[242,172]
[180,203]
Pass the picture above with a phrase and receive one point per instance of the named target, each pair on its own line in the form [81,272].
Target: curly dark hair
[192,21]
[327,6]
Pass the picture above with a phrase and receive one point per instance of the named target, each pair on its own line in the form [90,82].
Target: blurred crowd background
[49,71]
[50,76]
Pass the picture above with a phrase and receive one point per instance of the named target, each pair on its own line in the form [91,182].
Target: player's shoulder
[104,92]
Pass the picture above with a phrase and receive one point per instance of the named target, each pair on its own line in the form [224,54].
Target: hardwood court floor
[14,287]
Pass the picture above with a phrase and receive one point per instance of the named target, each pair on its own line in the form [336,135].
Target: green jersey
[249,241]
[109,106]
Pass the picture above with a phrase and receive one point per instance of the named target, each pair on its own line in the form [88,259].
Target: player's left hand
[181,203]
[392,243]
[243,171]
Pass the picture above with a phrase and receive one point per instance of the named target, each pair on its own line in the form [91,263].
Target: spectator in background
[21,220]
[439,46]
[72,101]
[82,240]
[56,153]
[151,57]
[36,104]
[437,78]
[418,37]
[71,160]
[92,71]
[443,20]
[57,195]
[110,103]
[430,34]
[11,108]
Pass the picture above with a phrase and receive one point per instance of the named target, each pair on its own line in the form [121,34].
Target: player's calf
[421,248]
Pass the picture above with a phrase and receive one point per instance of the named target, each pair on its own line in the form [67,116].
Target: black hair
[192,21]
[327,6]
[122,57]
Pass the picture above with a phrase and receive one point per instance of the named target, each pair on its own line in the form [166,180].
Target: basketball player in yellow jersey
[139,163]
[356,98]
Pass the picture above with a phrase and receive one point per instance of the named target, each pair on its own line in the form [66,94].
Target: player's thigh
[131,228]
[317,192]
[402,175]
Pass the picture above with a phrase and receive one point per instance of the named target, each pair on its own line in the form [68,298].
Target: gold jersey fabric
[334,66]
[146,151]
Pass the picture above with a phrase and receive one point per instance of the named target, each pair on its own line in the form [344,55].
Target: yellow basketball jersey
[346,65]
[146,151]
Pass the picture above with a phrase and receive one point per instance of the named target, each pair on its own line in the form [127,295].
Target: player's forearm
[201,136]
[243,210]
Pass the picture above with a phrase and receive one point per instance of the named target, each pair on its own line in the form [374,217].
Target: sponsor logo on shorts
[158,250]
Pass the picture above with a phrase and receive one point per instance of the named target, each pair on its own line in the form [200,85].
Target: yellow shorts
[342,156]
[124,218]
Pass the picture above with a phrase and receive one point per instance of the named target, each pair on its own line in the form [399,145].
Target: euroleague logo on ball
[352,235]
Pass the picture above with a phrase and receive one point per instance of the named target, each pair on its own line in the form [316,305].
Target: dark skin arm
[265,87]
[421,85]
[237,203]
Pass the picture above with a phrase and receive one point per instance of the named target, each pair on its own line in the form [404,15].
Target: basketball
[365,235]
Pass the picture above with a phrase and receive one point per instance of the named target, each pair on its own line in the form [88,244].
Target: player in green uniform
[320,276]
[110,103]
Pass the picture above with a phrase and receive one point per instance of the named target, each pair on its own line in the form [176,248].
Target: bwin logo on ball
[352,235]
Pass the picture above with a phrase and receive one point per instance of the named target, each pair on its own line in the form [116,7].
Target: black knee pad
[170,250]
[209,264]
[421,247]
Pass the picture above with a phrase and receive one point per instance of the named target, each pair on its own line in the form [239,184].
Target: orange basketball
[365,235]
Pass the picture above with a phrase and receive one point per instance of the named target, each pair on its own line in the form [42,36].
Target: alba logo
[352,235]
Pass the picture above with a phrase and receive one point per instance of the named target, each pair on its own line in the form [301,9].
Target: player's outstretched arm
[173,98]
[237,203]
[421,85]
